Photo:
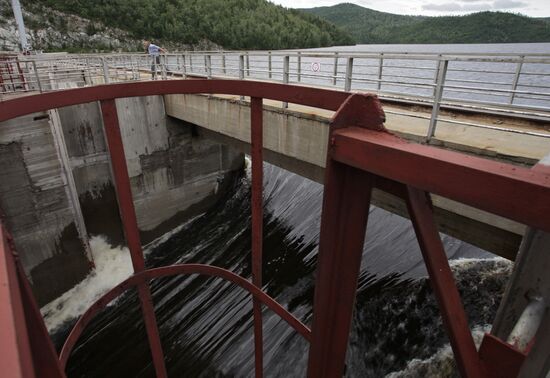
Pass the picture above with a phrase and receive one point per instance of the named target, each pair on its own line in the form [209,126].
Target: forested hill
[369,26]
[233,24]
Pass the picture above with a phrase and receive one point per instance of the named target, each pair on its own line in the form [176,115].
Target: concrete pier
[296,139]
[46,191]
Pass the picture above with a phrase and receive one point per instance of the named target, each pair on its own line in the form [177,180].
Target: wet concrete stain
[74,262]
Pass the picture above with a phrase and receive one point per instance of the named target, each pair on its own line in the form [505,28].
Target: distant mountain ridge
[232,24]
[370,26]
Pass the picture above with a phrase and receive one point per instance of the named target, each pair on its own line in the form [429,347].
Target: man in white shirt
[154,52]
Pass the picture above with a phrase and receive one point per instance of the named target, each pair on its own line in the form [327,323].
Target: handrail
[392,75]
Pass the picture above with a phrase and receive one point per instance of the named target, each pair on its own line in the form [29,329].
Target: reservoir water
[206,324]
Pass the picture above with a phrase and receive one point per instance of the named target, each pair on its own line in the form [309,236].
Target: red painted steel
[362,155]
[485,184]
[27,350]
[346,202]
[319,98]
[256,138]
[443,284]
[14,339]
[129,223]
[166,271]
[500,359]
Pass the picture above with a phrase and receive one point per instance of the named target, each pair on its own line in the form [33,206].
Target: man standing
[154,52]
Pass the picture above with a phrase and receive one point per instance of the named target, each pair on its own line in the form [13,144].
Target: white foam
[112,266]
[441,363]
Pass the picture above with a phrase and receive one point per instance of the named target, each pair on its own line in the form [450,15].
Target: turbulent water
[206,323]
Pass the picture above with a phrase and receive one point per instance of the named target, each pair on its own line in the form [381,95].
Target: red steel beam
[16,357]
[346,203]
[131,231]
[144,276]
[443,284]
[256,121]
[513,192]
[315,97]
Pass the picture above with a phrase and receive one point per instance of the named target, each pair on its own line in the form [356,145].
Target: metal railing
[517,85]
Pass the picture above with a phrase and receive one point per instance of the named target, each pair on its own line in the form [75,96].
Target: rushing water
[206,323]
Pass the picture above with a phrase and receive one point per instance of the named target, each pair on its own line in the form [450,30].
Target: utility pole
[16,6]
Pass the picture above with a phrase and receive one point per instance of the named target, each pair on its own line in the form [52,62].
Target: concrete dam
[56,185]
[132,161]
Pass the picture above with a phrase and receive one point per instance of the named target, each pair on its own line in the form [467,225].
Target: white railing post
[380,71]
[184,65]
[37,75]
[299,58]
[335,71]
[349,74]
[163,70]
[516,80]
[241,70]
[105,71]
[247,64]
[269,65]
[209,66]
[286,74]
[224,65]
[438,95]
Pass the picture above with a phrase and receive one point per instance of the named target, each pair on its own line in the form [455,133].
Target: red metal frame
[362,156]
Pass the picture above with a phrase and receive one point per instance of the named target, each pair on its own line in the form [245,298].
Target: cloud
[508,4]
[457,7]
[473,5]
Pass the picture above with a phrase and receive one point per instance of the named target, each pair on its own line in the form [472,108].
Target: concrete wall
[175,173]
[296,139]
[35,202]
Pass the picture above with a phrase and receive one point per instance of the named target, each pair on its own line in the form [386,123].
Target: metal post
[299,66]
[346,202]
[286,68]
[209,66]
[349,74]
[516,80]
[335,72]
[134,70]
[442,282]
[247,64]
[131,231]
[191,63]
[269,64]
[163,67]
[224,69]
[380,69]
[256,117]
[442,73]
[241,70]
[205,64]
[184,66]
[105,71]
[16,6]
[436,74]
[37,76]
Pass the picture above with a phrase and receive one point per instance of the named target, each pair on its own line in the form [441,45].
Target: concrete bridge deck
[295,138]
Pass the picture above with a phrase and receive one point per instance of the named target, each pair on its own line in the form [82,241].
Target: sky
[533,8]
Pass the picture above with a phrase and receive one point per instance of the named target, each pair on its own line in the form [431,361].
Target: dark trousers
[155,65]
